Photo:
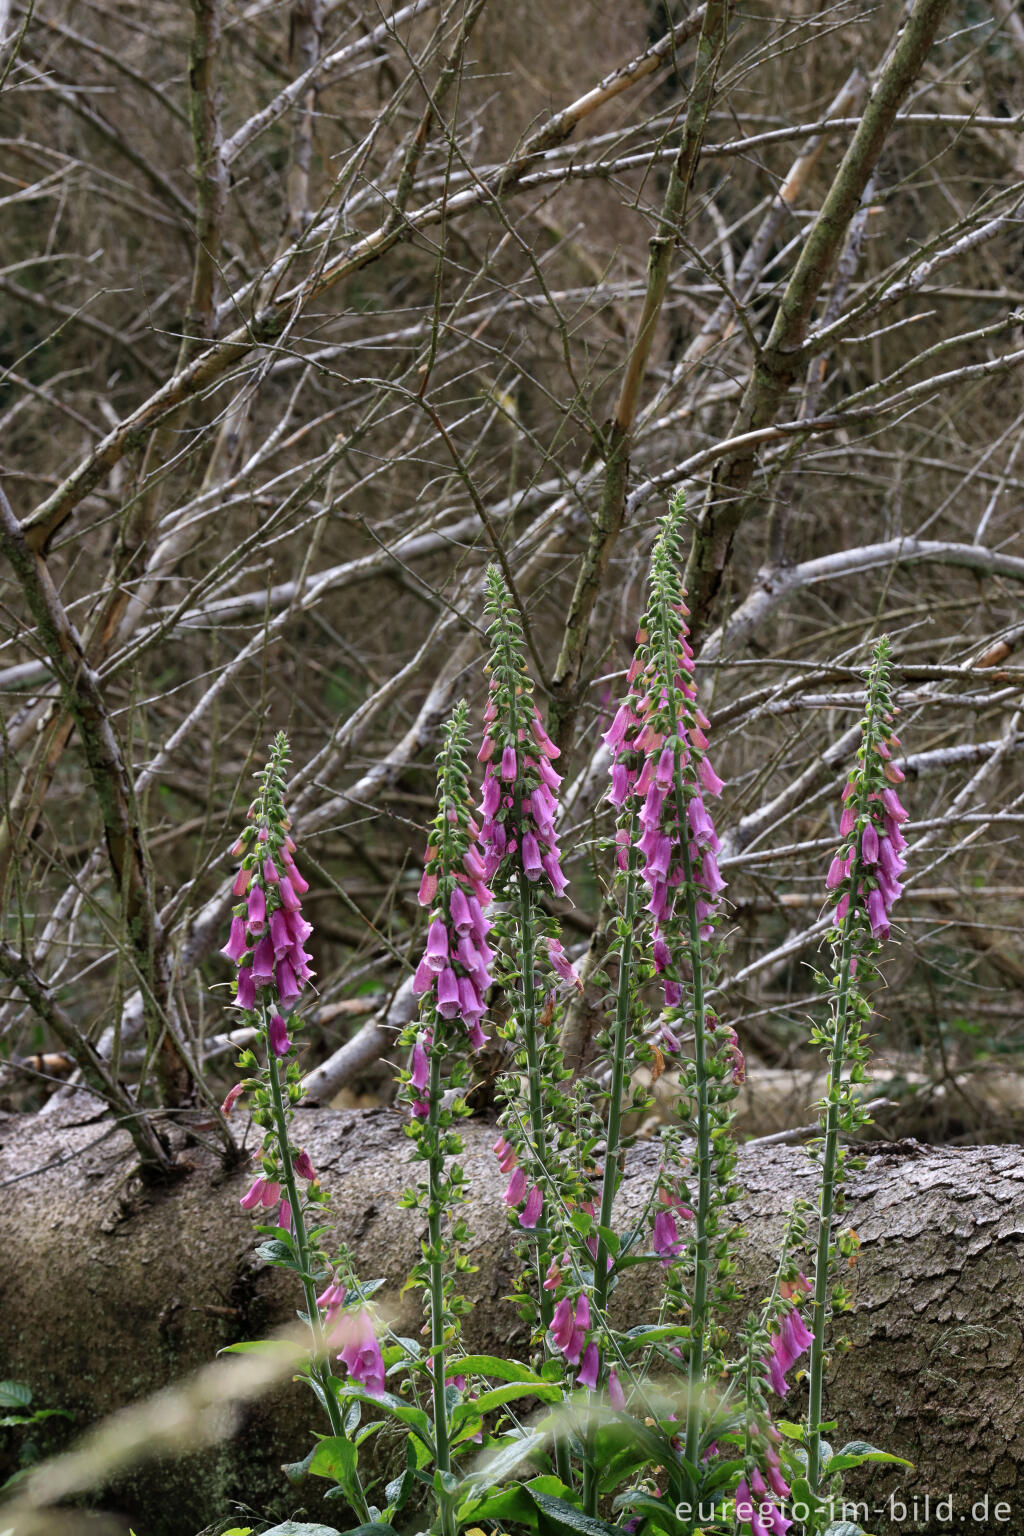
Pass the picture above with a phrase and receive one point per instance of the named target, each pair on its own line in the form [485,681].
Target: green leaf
[295,1471]
[724,1472]
[508,1506]
[298,1528]
[14,1394]
[791,1431]
[844,1528]
[548,1392]
[397,1491]
[19,1420]
[490,1365]
[644,1336]
[283,1349]
[515,1504]
[364,1292]
[856,1452]
[414,1418]
[503,1461]
[566,1517]
[333,1458]
[275,1252]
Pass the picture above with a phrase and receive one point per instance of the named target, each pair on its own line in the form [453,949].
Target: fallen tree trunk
[113,1289]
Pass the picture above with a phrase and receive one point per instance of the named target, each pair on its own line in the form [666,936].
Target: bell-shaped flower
[590,1365]
[360,1353]
[531,1212]
[277,1035]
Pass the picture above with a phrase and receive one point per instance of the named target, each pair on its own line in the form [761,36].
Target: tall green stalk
[873,779]
[435,1261]
[535,1089]
[319,1370]
[613,1138]
[702,1154]
[826,1204]
[538,1130]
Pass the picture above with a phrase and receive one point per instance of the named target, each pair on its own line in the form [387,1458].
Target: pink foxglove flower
[453,978]
[277,1036]
[531,1212]
[505,1152]
[869,865]
[268,932]
[360,1353]
[331,1300]
[792,1339]
[516,1188]
[420,1066]
[590,1365]
[661,775]
[253,1195]
[569,1329]
[518,804]
[554,1277]
[759,1515]
[235,947]
[562,964]
[666,1240]
[233,1094]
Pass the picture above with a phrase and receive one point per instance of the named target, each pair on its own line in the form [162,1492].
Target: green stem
[702,1151]
[319,1370]
[837,1048]
[435,1200]
[609,1177]
[538,1132]
[826,1203]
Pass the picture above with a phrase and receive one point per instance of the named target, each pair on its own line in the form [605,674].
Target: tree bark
[114,1288]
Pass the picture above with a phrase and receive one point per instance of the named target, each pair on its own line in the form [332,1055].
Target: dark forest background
[310,310]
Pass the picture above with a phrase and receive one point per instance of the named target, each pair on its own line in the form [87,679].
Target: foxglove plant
[521,858]
[661,782]
[449,1023]
[614,1430]
[864,881]
[266,942]
[539,1147]
[773,1343]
